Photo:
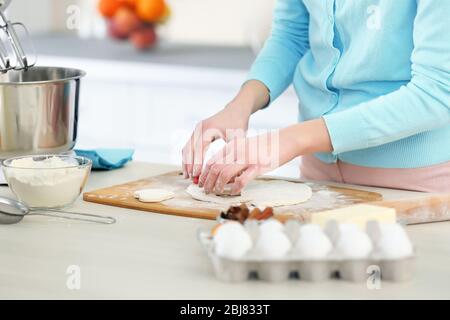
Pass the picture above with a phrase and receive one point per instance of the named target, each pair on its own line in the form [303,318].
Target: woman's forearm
[305,138]
[252,97]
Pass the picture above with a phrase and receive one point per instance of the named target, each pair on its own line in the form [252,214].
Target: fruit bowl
[134,20]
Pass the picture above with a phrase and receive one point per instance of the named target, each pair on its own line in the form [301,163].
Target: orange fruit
[166,15]
[150,10]
[144,37]
[108,8]
[130,3]
[125,21]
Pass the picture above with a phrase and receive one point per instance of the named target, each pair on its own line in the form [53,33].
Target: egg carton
[295,267]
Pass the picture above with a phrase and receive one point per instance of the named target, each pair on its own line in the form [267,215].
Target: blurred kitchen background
[151,100]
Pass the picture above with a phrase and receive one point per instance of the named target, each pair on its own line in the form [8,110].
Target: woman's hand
[243,159]
[228,124]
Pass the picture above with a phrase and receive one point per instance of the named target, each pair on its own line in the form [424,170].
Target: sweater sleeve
[276,63]
[422,105]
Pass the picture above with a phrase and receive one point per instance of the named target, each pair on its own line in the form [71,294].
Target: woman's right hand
[227,124]
[231,122]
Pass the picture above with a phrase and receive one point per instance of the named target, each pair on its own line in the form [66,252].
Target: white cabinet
[154,108]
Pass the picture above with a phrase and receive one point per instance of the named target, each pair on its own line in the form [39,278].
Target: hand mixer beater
[13,56]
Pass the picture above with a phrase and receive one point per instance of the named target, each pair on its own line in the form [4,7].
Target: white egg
[392,229]
[226,229]
[348,227]
[354,244]
[394,247]
[312,243]
[394,242]
[310,229]
[272,245]
[271,225]
[232,241]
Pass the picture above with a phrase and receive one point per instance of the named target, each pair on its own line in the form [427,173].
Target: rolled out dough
[153,195]
[261,193]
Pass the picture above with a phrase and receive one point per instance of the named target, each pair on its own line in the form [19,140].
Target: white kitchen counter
[165,53]
[155,256]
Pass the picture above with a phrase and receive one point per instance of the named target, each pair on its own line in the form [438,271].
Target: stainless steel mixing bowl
[39,111]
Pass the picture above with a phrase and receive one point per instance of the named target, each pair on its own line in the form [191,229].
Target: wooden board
[424,209]
[325,197]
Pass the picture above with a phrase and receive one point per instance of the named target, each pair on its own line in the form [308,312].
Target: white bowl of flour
[47,181]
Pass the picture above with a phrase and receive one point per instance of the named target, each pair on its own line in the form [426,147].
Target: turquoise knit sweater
[377,71]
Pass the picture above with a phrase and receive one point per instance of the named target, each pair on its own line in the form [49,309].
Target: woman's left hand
[243,159]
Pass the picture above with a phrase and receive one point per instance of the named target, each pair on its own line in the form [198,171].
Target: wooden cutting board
[324,197]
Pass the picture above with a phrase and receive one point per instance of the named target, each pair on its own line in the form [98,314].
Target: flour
[49,183]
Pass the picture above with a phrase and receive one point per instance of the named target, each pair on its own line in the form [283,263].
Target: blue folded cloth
[107,159]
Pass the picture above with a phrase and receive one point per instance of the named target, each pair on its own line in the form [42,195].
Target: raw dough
[153,195]
[261,193]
